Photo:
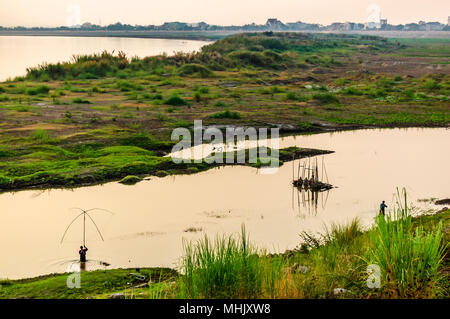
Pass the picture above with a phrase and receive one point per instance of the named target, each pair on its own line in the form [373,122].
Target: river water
[17,53]
[150,218]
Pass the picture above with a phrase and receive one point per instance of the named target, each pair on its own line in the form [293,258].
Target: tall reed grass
[227,267]
[409,258]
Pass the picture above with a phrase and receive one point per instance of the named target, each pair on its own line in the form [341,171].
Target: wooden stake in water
[293,168]
[317,171]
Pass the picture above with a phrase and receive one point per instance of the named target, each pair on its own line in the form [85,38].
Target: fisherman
[82,253]
[382,208]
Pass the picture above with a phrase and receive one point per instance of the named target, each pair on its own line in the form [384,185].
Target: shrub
[291,96]
[326,98]
[41,89]
[41,135]
[275,89]
[227,114]
[297,97]
[130,180]
[352,91]
[68,115]
[79,100]
[195,70]
[197,96]
[219,104]
[126,86]
[202,89]
[4,152]
[409,93]
[87,76]
[258,59]
[175,100]
[431,84]
[346,234]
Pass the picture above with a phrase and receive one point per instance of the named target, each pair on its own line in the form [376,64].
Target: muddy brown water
[150,218]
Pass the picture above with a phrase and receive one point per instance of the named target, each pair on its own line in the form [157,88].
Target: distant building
[372,25]
[448,22]
[337,26]
[359,26]
[302,26]
[383,23]
[434,26]
[274,24]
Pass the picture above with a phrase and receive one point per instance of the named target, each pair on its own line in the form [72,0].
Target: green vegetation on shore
[97,284]
[412,254]
[49,165]
[102,117]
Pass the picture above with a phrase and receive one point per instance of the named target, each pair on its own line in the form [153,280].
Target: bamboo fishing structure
[309,178]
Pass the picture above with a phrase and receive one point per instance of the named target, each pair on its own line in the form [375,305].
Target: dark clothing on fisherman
[82,253]
[382,207]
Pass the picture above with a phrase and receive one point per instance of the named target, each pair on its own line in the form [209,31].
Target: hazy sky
[223,12]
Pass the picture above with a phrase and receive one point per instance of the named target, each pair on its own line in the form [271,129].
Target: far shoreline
[212,35]
[168,35]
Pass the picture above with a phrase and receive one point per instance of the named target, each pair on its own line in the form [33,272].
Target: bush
[197,96]
[4,152]
[226,115]
[41,135]
[130,180]
[41,89]
[175,100]
[79,100]
[352,91]
[291,96]
[219,104]
[202,89]
[409,93]
[87,76]
[267,59]
[126,86]
[431,84]
[326,98]
[195,70]
[275,89]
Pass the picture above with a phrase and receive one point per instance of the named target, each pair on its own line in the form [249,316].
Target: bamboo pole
[293,168]
[84,229]
[317,171]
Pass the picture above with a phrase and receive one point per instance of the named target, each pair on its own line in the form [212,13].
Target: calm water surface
[19,53]
[150,218]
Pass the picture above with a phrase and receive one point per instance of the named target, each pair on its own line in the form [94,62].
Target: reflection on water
[74,265]
[306,202]
[151,217]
